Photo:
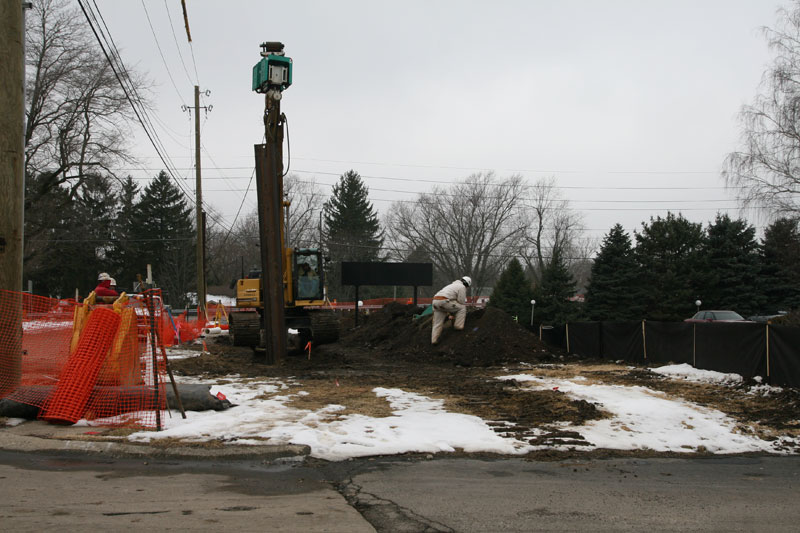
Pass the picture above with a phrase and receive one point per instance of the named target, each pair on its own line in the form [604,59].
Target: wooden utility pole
[12,187]
[269,181]
[201,230]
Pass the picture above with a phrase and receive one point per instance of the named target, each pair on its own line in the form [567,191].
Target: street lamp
[533,306]
[697,303]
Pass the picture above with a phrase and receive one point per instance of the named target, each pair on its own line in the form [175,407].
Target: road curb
[15,442]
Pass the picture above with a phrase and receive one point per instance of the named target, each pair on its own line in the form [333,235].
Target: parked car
[717,316]
[767,319]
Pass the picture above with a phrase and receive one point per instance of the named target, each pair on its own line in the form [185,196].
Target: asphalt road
[41,492]
[716,494]
[400,494]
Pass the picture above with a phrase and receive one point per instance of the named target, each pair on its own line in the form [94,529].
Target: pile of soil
[490,338]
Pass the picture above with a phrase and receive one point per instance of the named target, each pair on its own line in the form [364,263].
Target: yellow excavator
[305,306]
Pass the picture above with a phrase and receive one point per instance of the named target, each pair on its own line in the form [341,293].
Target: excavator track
[324,326]
[245,328]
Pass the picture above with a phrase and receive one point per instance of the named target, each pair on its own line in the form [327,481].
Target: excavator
[305,307]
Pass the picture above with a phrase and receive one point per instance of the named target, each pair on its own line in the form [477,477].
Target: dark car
[716,316]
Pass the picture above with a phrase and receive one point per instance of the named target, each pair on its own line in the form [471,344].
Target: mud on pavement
[391,349]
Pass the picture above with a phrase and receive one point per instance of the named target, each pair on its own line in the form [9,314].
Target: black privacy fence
[748,349]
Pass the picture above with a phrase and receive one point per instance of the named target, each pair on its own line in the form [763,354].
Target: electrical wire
[131,92]
[288,145]
[161,53]
[177,46]
[451,182]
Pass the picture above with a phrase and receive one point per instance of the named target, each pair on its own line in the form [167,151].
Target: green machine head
[274,71]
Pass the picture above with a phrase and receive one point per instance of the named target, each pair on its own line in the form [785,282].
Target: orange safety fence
[216,315]
[87,361]
[188,330]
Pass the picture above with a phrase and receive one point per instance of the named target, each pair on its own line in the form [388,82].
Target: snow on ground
[641,418]
[418,424]
[645,419]
[689,373]
[227,301]
[174,354]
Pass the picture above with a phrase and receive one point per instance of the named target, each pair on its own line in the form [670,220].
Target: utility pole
[271,76]
[12,189]
[200,214]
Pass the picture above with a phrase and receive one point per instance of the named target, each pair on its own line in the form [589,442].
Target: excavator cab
[309,287]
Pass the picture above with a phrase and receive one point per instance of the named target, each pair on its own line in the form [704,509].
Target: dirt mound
[490,338]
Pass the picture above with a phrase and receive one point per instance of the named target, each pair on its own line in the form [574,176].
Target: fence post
[768,380]
[644,342]
[694,345]
[567,332]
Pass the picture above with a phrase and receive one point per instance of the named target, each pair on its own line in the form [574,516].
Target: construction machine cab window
[308,276]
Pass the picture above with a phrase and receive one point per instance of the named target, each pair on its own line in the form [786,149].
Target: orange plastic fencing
[188,330]
[67,402]
[76,361]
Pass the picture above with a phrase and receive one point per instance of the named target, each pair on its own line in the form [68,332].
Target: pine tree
[732,261]
[781,265]
[69,239]
[162,224]
[614,292]
[669,254]
[353,232]
[513,293]
[553,294]
[126,251]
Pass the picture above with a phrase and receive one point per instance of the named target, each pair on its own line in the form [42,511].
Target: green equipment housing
[272,72]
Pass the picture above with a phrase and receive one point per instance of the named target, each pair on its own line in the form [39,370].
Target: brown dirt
[389,349]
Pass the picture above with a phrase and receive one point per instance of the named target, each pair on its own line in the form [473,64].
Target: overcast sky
[602,95]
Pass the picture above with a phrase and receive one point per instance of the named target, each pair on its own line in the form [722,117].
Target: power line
[161,53]
[450,182]
[177,46]
[131,93]
[533,171]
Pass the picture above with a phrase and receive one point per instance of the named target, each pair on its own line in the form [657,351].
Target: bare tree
[304,212]
[469,228]
[231,252]
[552,226]
[77,112]
[767,168]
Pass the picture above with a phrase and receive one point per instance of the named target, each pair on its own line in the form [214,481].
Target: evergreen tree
[162,225]
[68,243]
[513,293]
[732,261]
[126,251]
[669,254]
[96,204]
[553,294]
[781,265]
[614,292]
[353,232]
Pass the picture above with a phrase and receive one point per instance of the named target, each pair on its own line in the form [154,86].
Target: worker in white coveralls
[451,300]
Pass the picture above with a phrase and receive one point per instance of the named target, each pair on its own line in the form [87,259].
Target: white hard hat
[466,280]
[103,277]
